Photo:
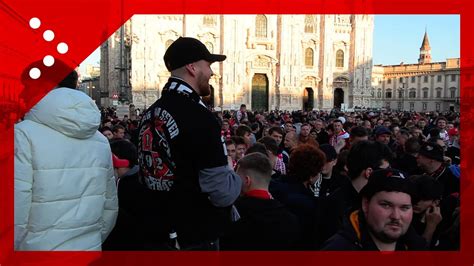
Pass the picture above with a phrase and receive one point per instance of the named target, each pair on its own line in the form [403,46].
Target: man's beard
[204,87]
[383,237]
[205,90]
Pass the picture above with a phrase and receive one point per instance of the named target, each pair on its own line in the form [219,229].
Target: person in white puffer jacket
[65,192]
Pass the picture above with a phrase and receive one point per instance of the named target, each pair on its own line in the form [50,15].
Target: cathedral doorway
[308,99]
[338,97]
[209,99]
[259,92]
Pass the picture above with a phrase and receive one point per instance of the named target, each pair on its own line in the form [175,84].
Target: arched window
[168,43]
[261,26]
[388,94]
[308,57]
[309,24]
[438,93]
[412,94]
[339,58]
[379,93]
[210,47]
[209,20]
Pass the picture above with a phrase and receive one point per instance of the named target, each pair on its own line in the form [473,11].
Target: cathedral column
[278,68]
[221,64]
[322,83]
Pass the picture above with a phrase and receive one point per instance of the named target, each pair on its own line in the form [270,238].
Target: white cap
[343,120]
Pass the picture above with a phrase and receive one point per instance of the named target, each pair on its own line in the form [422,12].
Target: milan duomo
[286,62]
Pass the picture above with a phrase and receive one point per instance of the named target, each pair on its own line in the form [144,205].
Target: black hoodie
[354,236]
[265,224]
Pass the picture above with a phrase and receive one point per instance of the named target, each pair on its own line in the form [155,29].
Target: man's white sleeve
[22,186]
[110,212]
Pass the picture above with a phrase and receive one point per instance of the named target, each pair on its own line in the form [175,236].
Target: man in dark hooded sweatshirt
[383,221]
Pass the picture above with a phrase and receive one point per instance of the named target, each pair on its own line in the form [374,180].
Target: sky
[397,38]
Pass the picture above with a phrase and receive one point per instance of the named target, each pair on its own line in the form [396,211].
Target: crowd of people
[319,163]
[190,178]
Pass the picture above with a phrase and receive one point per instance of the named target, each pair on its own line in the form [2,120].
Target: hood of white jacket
[68,111]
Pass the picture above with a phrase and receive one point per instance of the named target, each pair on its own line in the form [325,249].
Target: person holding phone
[427,212]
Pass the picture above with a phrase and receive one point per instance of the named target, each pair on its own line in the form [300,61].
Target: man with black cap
[427,214]
[182,156]
[431,160]
[383,221]
[382,135]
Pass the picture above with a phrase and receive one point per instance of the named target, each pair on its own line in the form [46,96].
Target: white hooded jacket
[65,193]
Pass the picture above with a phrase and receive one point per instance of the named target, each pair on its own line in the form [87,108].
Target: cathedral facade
[286,62]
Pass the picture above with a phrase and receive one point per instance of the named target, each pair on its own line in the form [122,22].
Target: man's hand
[433,216]
[230,162]
[447,160]
[339,145]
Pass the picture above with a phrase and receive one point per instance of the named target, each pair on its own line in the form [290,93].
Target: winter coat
[300,201]
[354,236]
[133,229]
[335,207]
[264,224]
[65,193]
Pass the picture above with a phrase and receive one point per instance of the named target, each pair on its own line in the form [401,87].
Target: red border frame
[84,24]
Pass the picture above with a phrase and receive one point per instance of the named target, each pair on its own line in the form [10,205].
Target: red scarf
[259,193]
[226,134]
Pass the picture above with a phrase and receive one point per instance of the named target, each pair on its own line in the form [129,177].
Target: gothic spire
[426,43]
[425,50]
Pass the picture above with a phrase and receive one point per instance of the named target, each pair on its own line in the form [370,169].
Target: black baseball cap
[427,188]
[381,130]
[389,180]
[186,50]
[433,151]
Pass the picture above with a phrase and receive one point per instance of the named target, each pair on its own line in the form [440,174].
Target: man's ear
[247,181]
[368,172]
[191,69]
